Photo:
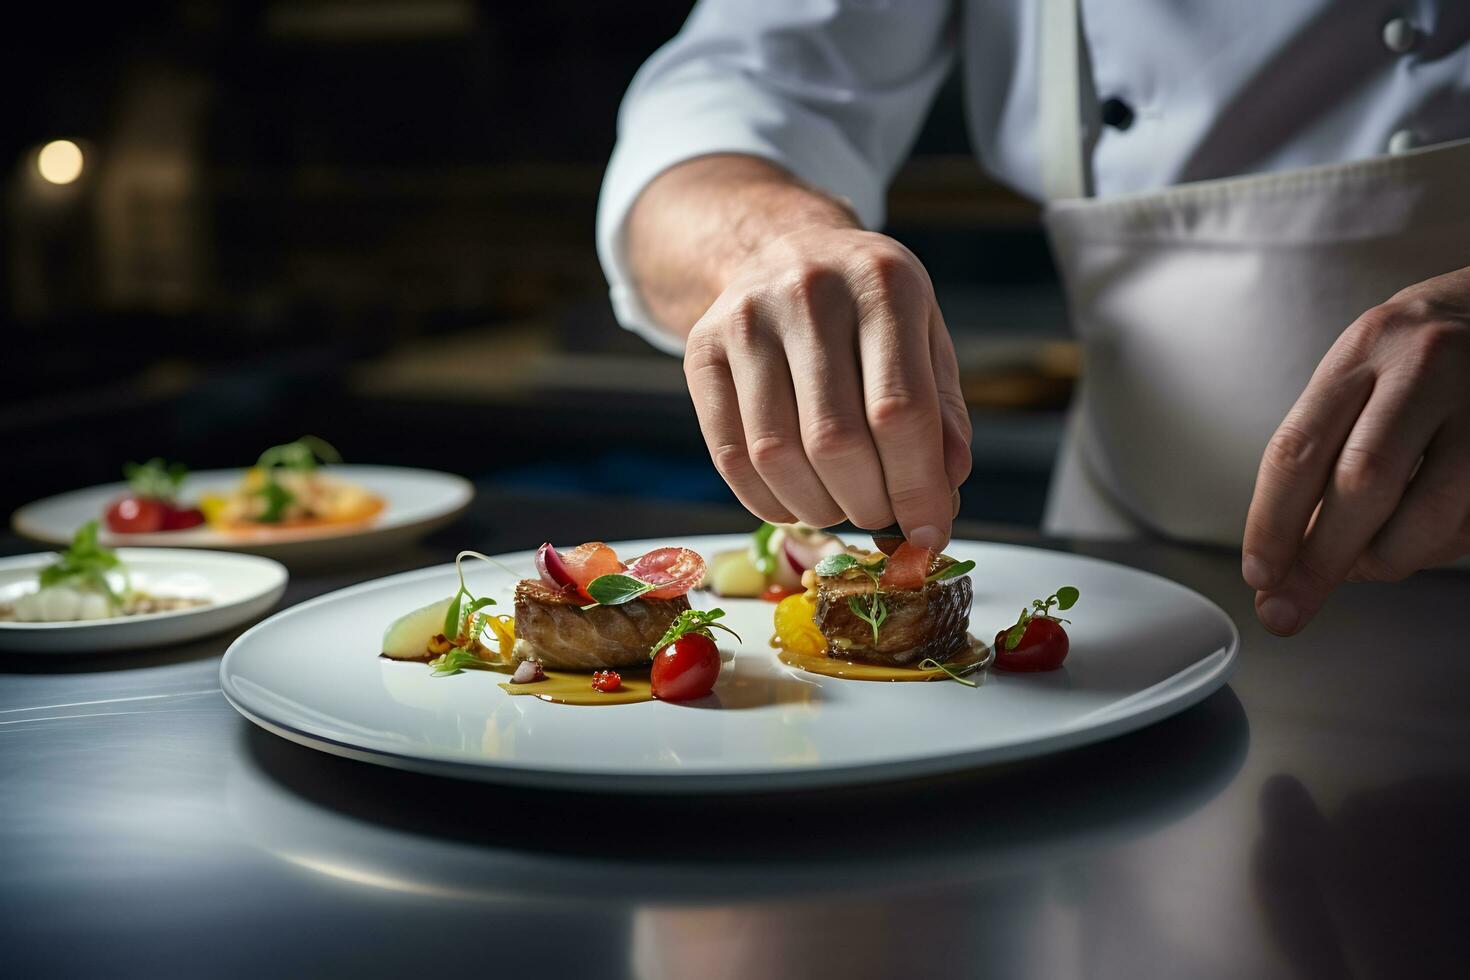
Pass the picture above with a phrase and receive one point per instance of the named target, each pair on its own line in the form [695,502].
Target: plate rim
[1213,671]
[282,578]
[22,520]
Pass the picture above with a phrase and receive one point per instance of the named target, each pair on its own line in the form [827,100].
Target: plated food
[588,629]
[286,488]
[88,582]
[772,563]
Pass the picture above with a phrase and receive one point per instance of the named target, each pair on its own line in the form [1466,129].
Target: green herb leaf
[954,675]
[87,562]
[451,616]
[277,499]
[835,564]
[760,549]
[1067,597]
[458,660]
[1014,634]
[874,615]
[952,571]
[155,479]
[616,589]
[692,621]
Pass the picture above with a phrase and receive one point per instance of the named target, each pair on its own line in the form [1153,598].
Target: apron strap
[1059,92]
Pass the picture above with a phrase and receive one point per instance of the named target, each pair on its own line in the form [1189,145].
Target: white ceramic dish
[239,587]
[416,502]
[1142,648]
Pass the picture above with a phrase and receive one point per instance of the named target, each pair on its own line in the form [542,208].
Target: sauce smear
[568,687]
[968,664]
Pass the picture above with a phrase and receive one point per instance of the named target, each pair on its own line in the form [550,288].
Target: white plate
[1142,648]
[239,587]
[415,502]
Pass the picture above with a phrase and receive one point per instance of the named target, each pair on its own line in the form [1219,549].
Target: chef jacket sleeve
[832,90]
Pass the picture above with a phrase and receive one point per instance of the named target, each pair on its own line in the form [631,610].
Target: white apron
[1203,309]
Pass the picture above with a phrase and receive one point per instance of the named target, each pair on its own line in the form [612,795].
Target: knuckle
[1290,449]
[890,271]
[895,410]
[740,321]
[769,451]
[1363,472]
[810,286]
[730,460]
[832,439]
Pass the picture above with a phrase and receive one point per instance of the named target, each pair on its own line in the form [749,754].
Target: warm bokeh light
[60,161]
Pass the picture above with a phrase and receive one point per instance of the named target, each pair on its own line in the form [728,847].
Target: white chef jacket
[835,91]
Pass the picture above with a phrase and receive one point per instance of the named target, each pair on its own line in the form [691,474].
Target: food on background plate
[87,582]
[588,630]
[288,488]
[772,565]
[872,616]
[1037,640]
[152,501]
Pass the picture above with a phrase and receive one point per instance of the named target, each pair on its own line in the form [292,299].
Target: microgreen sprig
[303,454]
[951,571]
[700,621]
[456,660]
[1064,598]
[87,562]
[460,611]
[155,479]
[761,554]
[954,675]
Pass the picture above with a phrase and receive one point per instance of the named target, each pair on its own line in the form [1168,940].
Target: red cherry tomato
[777,592]
[179,518]
[1043,647]
[907,568]
[136,515]
[587,561]
[607,681]
[686,668]
[674,570]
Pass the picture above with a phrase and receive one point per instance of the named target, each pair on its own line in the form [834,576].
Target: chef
[1261,214]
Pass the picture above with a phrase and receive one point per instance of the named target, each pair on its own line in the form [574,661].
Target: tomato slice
[587,561]
[907,567]
[674,570]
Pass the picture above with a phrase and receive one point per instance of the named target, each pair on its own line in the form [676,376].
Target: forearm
[695,224]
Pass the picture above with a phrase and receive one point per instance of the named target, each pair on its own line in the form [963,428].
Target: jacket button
[1402,141]
[1399,35]
[1117,114]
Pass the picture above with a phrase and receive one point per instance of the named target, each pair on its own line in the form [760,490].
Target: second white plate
[1142,648]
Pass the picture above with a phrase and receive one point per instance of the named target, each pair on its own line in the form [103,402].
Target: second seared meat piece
[552,627]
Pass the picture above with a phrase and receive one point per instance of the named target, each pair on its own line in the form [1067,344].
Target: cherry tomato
[136,515]
[607,681]
[179,518]
[777,592]
[1043,647]
[686,668]
[674,570]
[587,561]
[907,567]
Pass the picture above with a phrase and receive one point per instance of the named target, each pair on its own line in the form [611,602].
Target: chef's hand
[1368,477]
[826,385]
[819,365]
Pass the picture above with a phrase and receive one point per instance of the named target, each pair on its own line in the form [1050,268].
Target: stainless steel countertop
[1307,821]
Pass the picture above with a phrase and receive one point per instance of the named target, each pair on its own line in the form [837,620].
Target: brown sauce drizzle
[569,687]
[968,665]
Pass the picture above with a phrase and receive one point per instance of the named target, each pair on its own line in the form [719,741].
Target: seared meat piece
[552,627]
[930,622]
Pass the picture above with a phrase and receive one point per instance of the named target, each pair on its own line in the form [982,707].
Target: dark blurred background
[372,220]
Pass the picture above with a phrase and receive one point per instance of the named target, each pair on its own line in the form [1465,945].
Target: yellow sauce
[568,687]
[968,665]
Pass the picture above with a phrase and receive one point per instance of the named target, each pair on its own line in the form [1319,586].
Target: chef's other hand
[826,386]
[1368,477]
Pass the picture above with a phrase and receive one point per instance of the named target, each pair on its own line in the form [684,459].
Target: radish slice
[907,568]
[553,571]
[805,546]
[674,570]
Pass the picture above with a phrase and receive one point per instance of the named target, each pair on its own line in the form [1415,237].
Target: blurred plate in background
[415,503]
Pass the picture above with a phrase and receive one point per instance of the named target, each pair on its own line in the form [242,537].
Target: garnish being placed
[1037,640]
[772,566]
[86,582]
[686,661]
[152,501]
[287,488]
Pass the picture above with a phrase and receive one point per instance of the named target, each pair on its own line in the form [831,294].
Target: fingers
[769,416]
[716,405]
[834,433]
[1295,468]
[1430,525]
[902,407]
[952,408]
[1366,485]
